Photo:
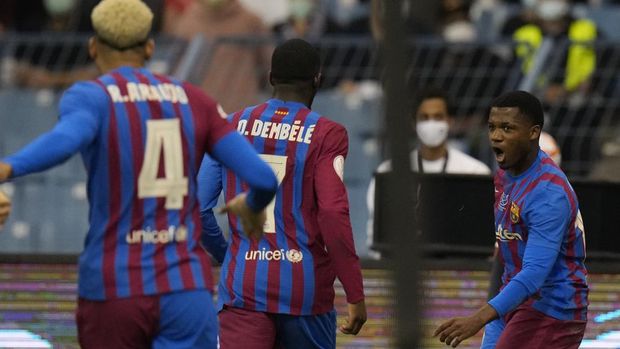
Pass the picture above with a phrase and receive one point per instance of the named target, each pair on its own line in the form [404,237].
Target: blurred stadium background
[38,247]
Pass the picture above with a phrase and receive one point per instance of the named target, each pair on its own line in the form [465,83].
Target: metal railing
[235,71]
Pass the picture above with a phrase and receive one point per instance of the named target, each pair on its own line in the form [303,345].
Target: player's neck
[527,162]
[431,154]
[105,66]
[290,96]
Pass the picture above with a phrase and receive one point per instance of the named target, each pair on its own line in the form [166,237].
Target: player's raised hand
[5,171]
[252,222]
[355,319]
[5,209]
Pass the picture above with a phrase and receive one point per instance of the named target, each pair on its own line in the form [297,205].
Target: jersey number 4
[163,136]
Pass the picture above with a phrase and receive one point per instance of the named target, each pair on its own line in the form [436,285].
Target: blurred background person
[234,69]
[553,19]
[434,153]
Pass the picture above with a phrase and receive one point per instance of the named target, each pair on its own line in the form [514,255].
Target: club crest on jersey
[294,256]
[514,213]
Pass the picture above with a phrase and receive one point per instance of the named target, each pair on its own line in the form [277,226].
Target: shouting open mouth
[500,156]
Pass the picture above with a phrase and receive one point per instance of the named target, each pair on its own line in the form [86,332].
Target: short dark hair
[295,60]
[431,93]
[527,103]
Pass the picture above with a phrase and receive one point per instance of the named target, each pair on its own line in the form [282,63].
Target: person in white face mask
[433,153]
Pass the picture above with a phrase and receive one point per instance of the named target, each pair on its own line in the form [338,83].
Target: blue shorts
[246,329]
[180,320]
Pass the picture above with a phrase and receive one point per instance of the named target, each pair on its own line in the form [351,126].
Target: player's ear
[92,47]
[317,81]
[271,79]
[535,132]
[149,48]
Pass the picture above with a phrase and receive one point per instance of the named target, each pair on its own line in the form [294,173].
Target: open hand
[252,222]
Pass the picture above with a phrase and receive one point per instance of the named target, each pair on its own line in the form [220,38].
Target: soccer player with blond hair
[144,279]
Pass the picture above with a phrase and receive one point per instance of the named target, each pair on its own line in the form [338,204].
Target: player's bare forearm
[456,330]
[5,171]
[355,319]
[5,208]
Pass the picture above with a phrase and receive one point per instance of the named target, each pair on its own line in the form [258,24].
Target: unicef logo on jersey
[294,256]
[150,236]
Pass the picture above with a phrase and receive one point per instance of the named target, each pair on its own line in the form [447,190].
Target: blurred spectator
[7,8]
[235,68]
[433,154]
[526,15]
[347,16]
[550,146]
[56,60]
[307,19]
[552,19]
[274,13]
[173,9]
[456,25]
[420,16]
[608,167]
[51,62]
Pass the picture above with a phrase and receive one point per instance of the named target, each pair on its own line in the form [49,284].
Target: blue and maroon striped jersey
[537,223]
[308,239]
[142,137]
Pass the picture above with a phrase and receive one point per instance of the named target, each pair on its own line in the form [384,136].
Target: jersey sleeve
[209,189]
[233,151]
[78,125]
[333,212]
[547,222]
[237,154]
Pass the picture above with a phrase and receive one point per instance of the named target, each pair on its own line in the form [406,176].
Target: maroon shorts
[529,328]
[246,329]
[174,320]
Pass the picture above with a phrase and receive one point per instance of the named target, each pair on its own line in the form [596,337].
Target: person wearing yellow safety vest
[552,19]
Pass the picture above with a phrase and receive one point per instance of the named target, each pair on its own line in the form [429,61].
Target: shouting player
[144,280]
[538,227]
[278,290]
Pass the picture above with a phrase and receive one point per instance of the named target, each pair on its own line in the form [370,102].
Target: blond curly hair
[122,23]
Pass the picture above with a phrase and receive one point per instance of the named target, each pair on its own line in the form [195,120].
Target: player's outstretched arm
[5,208]
[77,127]
[356,318]
[458,329]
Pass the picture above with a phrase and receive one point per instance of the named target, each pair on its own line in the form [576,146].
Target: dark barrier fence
[455,215]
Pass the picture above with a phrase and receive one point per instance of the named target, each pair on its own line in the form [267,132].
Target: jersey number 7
[278,165]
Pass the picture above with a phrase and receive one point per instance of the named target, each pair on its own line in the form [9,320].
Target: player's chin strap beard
[118,48]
